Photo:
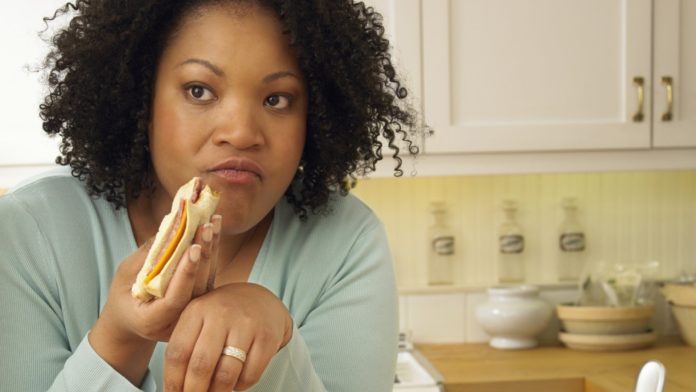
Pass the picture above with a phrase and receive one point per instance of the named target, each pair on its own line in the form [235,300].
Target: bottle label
[572,242]
[511,243]
[444,245]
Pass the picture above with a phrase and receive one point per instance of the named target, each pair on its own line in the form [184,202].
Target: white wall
[24,148]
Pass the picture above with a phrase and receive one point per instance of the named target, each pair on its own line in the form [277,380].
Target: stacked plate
[604,328]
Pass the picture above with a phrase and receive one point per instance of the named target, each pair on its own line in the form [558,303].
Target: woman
[289,287]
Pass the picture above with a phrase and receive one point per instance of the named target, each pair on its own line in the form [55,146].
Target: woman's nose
[239,126]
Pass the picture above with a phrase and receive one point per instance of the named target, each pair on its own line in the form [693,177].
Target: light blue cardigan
[59,249]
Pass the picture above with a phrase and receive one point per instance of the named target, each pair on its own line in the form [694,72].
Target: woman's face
[229,105]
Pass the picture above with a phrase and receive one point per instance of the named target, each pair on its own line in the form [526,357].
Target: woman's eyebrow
[280,74]
[215,69]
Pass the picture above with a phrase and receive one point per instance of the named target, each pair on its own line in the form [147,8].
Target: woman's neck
[236,262]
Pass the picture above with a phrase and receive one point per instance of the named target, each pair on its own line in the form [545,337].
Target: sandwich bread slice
[193,205]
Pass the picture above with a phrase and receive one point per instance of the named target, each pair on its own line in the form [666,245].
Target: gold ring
[232,351]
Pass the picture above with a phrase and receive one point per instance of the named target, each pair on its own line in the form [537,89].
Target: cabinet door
[402,28]
[502,75]
[675,69]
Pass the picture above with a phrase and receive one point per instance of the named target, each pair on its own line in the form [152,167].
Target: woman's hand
[243,315]
[127,328]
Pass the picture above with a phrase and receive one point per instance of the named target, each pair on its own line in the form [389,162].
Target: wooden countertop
[481,368]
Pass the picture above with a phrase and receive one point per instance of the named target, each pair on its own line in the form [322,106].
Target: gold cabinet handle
[639,82]
[667,82]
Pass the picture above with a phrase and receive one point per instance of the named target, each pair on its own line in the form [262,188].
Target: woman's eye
[278,101]
[200,93]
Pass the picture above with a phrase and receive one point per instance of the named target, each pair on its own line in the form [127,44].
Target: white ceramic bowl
[513,316]
[605,320]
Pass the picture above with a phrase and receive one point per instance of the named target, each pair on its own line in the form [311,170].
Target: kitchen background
[627,217]
[630,218]
[531,101]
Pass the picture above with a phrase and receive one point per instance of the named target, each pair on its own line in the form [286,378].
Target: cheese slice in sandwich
[193,205]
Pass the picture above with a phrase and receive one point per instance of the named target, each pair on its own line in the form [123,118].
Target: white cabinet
[502,76]
[675,69]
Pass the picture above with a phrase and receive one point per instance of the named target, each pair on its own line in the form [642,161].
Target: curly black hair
[101,72]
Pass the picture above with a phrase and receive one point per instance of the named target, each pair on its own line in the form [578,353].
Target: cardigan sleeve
[34,344]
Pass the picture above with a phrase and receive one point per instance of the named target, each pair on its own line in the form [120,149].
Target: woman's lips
[236,177]
[238,171]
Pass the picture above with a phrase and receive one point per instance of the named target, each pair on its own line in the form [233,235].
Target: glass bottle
[441,253]
[571,243]
[511,266]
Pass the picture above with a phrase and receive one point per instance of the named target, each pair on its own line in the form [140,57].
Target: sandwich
[193,205]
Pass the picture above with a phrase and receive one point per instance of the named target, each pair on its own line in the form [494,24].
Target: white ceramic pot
[513,316]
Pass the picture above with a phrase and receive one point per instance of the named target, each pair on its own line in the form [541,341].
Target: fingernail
[217,224]
[208,232]
[195,253]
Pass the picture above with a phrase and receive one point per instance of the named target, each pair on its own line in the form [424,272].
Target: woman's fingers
[232,364]
[179,352]
[217,227]
[205,358]
[180,290]
[245,316]
[195,359]
[260,354]
[226,374]
[204,237]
